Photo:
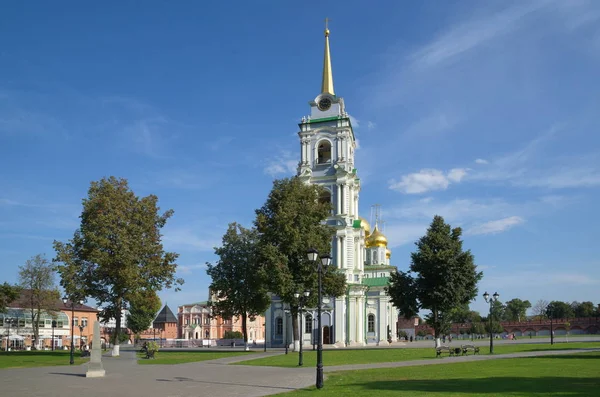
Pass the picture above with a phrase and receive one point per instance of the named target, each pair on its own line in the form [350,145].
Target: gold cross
[326,23]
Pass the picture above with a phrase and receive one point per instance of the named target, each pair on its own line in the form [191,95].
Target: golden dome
[365,226]
[377,239]
[388,253]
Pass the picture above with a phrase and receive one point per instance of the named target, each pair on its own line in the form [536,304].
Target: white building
[364,314]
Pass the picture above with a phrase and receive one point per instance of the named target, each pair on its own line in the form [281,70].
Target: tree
[36,278]
[583,309]
[8,293]
[143,308]
[117,250]
[290,223]
[441,278]
[558,309]
[516,309]
[233,335]
[237,281]
[539,309]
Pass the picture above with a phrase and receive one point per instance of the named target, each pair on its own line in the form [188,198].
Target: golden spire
[327,84]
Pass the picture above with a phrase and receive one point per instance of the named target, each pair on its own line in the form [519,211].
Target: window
[308,324]
[84,321]
[279,326]
[59,324]
[325,197]
[371,323]
[207,320]
[187,321]
[324,152]
[374,257]
[356,278]
[206,334]
[75,321]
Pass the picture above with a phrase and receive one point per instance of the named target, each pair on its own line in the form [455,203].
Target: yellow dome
[377,239]
[388,253]
[365,226]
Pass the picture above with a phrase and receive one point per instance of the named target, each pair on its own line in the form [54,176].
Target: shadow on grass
[571,386]
[33,353]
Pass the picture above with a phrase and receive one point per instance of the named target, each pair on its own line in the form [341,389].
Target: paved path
[209,378]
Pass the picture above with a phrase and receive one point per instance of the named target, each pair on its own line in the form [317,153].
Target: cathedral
[365,314]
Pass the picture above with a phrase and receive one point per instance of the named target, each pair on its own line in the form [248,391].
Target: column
[338,252]
[343,199]
[339,200]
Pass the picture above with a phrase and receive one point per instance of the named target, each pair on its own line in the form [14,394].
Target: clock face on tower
[324,104]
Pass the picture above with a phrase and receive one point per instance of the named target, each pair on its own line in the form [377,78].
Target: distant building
[196,321]
[16,325]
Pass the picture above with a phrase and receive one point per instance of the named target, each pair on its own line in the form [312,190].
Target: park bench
[150,353]
[467,348]
[452,351]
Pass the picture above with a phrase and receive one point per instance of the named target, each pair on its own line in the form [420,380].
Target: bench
[452,351]
[150,353]
[467,348]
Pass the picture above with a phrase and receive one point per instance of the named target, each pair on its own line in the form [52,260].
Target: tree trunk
[436,328]
[245,331]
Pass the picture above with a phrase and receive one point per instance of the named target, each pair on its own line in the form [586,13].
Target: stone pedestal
[95,368]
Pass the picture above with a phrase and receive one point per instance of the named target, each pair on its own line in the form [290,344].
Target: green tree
[516,309]
[558,309]
[144,305]
[583,309]
[441,278]
[237,283]
[8,293]
[117,250]
[233,335]
[290,223]
[36,278]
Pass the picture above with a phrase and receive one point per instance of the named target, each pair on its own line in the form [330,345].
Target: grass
[181,357]
[366,356]
[573,375]
[37,358]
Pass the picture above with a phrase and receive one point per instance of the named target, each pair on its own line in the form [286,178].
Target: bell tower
[327,146]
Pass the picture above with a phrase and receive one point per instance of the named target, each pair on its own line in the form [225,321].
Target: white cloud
[497,226]
[481,161]
[427,180]
[354,121]
[371,125]
[188,269]
[285,163]
[185,239]
[404,233]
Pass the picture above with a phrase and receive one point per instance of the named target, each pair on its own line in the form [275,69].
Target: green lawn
[180,357]
[365,356]
[37,358]
[576,375]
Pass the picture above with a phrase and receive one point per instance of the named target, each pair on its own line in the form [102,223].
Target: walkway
[209,378]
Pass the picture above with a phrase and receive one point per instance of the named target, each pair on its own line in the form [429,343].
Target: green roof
[378,267]
[324,119]
[356,224]
[375,282]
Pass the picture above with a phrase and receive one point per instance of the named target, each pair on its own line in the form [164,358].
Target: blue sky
[483,112]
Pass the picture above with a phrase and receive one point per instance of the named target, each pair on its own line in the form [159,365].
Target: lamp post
[65,299]
[551,315]
[314,340]
[491,301]
[53,326]
[301,302]
[313,256]
[265,325]
[285,333]
[9,321]
[80,335]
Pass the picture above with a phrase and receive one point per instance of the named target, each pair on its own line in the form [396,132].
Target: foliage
[233,335]
[8,294]
[516,310]
[441,278]
[557,309]
[539,309]
[402,334]
[36,278]
[152,346]
[584,309]
[289,224]
[463,314]
[144,305]
[117,250]
[237,281]
[477,328]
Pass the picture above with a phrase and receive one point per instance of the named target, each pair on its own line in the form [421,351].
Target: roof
[376,282]
[203,303]
[165,316]
[379,267]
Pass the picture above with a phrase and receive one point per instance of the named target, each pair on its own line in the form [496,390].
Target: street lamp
[65,299]
[301,302]
[53,326]
[313,256]
[491,301]
[551,313]
[9,321]
[80,335]
[314,339]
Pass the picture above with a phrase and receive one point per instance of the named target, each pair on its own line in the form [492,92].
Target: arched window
[325,197]
[374,257]
[207,334]
[279,326]
[308,324]
[371,323]
[324,152]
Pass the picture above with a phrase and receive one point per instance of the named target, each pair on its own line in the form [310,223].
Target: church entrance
[327,335]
